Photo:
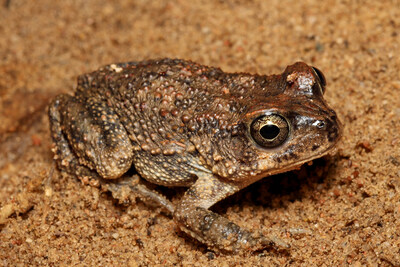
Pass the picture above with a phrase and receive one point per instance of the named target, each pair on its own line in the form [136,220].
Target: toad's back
[178,109]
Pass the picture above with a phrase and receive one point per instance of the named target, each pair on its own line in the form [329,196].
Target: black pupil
[269,131]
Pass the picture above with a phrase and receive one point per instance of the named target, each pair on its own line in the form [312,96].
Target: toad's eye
[269,130]
[321,78]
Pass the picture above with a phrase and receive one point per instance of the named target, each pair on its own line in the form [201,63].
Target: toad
[179,123]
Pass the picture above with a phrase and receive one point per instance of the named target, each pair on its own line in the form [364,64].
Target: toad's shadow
[278,191]
[273,192]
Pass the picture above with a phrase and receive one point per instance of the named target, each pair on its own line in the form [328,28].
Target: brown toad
[184,124]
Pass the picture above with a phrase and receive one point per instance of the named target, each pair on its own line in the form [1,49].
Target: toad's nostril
[321,124]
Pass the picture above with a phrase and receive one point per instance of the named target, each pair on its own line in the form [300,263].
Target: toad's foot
[220,233]
[194,218]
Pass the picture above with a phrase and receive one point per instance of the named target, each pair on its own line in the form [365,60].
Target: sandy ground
[343,210]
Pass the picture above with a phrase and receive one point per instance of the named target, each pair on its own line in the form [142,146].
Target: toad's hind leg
[193,217]
[85,144]
[63,155]
[88,133]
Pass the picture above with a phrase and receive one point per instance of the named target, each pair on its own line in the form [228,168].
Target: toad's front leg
[194,218]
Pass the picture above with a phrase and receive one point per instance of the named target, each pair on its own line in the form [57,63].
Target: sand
[342,210]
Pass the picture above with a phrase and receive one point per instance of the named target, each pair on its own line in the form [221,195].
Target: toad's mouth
[296,165]
[290,167]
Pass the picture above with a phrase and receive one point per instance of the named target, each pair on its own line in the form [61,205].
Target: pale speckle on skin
[305,83]
[115,68]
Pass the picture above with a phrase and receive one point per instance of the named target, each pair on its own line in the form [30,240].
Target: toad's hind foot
[127,188]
